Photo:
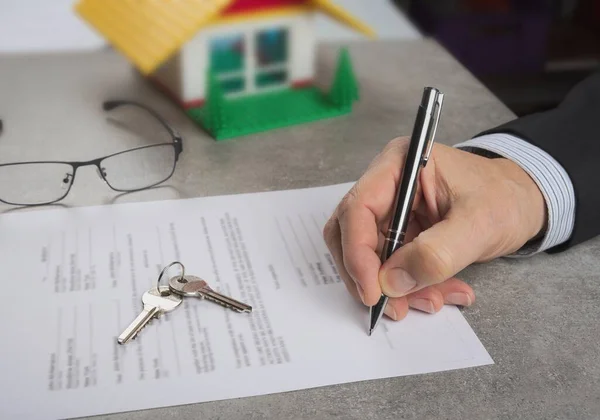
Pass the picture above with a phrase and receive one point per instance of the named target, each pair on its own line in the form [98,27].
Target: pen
[421,144]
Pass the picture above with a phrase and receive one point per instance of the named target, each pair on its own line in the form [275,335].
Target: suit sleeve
[570,134]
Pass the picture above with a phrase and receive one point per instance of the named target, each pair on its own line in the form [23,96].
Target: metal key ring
[162,273]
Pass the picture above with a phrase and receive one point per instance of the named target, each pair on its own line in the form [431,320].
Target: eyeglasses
[47,182]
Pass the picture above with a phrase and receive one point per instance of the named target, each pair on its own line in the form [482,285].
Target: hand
[467,209]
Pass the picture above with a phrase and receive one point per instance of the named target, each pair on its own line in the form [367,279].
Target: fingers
[376,189]
[397,308]
[451,292]
[353,234]
[428,300]
[361,215]
[333,239]
[434,256]
[360,238]
[431,299]
[456,292]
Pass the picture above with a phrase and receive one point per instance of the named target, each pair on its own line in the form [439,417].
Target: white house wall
[301,50]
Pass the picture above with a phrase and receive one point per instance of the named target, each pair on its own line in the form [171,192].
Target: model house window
[227,58]
[271,57]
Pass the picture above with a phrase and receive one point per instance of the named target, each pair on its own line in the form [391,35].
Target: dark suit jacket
[570,133]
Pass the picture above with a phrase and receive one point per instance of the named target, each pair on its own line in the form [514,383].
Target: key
[192,286]
[155,304]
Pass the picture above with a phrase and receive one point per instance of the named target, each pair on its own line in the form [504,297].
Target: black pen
[421,143]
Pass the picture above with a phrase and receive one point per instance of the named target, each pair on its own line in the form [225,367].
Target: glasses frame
[176,143]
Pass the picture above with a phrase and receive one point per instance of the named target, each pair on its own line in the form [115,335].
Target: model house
[249,47]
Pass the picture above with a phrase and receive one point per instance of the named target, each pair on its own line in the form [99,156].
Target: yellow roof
[338,13]
[148,32]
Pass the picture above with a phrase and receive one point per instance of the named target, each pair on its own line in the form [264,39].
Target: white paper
[76,277]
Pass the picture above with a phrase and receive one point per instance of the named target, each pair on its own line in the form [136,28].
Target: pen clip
[433,125]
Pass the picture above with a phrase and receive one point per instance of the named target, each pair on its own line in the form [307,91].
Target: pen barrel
[393,241]
[416,157]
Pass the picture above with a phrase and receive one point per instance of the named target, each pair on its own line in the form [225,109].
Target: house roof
[148,32]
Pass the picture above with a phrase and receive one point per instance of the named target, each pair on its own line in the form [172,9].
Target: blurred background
[529,53]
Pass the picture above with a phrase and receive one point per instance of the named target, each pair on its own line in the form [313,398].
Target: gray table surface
[538,318]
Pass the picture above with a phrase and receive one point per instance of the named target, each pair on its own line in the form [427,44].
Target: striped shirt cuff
[551,178]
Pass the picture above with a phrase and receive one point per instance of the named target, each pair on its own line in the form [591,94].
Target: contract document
[73,280]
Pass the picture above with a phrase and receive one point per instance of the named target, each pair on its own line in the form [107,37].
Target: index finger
[376,188]
[360,236]
[361,213]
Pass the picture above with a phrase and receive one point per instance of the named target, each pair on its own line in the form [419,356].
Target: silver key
[155,304]
[192,286]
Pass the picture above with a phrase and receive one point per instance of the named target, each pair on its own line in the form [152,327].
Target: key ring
[162,274]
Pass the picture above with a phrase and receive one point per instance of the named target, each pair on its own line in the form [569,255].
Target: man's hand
[467,209]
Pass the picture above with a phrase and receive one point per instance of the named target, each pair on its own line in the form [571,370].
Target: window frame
[251,68]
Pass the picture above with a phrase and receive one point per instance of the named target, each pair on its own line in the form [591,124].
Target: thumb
[434,256]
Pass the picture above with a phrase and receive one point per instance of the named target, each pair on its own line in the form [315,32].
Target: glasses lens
[30,184]
[140,168]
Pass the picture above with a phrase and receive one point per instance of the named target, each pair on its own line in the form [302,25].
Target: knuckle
[399,144]
[351,287]
[349,200]
[329,231]
[436,262]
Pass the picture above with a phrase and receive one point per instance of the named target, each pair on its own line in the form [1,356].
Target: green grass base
[267,111]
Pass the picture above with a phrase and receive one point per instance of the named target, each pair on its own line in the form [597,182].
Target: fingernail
[461,299]
[399,282]
[424,305]
[361,292]
[389,311]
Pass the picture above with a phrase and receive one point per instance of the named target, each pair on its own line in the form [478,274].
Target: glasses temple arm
[110,105]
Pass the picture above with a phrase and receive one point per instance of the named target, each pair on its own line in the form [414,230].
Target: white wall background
[51,25]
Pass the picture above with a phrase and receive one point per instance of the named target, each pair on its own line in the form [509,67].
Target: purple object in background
[489,43]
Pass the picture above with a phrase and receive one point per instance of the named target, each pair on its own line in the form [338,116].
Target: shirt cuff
[550,177]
